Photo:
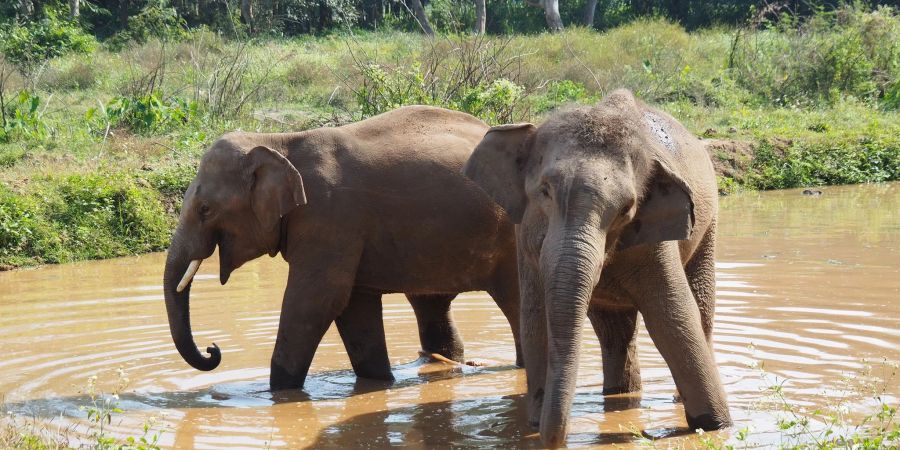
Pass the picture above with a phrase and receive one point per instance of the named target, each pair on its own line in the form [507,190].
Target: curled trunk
[178,310]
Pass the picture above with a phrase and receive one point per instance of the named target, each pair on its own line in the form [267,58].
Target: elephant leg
[311,302]
[533,332]
[437,332]
[617,331]
[506,295]
[701,274]
[362,329]
[664,298]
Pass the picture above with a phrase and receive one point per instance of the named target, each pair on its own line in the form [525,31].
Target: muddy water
[807,286]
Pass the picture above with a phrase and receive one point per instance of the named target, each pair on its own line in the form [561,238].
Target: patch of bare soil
[730,158]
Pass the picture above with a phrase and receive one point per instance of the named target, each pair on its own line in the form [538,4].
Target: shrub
[158,20]
[561,92]
[477,75]
[493,103]
[33,43]
[145,114]
[22,118]
[848,52]
[826,162]
[77,75]
[81,217]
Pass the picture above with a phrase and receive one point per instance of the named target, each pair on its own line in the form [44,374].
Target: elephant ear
[665,213]
[496,166]
[277,187]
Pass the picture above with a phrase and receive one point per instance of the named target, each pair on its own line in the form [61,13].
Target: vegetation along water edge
[99,138]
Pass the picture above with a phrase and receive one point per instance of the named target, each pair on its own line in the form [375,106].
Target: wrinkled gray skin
[617,209]
[357,211]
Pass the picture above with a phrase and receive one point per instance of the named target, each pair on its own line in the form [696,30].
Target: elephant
[615,206]
[378,206]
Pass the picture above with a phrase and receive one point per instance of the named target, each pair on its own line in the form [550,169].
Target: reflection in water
[810,282]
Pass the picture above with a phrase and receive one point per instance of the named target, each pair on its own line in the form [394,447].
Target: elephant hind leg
[617,331]
[362,330]
[437,332]
[701,275]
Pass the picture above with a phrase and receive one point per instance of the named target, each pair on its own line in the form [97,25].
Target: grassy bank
[97,148]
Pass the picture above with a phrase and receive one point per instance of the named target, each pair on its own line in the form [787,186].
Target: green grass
[99,148]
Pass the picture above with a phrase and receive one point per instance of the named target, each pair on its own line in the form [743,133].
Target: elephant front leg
[617,331]
[362,329]
[672,317]
[310,305]
[437,332]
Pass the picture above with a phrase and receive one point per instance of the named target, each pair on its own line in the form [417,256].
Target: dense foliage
[122,20]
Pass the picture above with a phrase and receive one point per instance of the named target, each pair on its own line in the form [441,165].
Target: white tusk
[188,274]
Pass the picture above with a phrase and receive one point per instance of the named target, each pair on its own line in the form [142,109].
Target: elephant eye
[204,211]
[545,190]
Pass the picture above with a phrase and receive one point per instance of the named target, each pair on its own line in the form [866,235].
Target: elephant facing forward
[616,206]
[357,211]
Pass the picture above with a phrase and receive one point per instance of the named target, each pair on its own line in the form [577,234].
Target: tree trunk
[589,8]
[74,8]
[551,12]
[480,16]
[26,8]
[419,12]
[123,13]
[247,15]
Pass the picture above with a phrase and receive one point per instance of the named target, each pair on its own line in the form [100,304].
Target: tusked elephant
[374,207]
[616,206]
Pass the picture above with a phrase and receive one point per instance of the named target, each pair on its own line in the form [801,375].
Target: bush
[22,118]
[848,52]
[81,217]
[31,44]
[472,74]
[559,93]
[77,75]
[158,20]
[145,114]
[826,162]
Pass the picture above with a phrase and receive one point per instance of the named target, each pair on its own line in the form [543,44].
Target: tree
[26,8]
[419,12]
[247,15]
[551,13]
[74,8]
[480,16]
[589,8]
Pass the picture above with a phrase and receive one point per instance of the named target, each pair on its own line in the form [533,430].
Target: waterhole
[807,299]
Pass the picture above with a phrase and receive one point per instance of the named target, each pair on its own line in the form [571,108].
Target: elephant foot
[623,383]
[620,390]
[534,409]
[280,379]
[708,422]
[374,374]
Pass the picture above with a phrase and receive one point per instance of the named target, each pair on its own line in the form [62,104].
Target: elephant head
[236,202]
[585,184]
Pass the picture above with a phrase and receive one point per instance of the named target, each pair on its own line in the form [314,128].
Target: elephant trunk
[176,286]
[574,272]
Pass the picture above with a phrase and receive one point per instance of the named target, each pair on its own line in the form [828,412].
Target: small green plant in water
[100,413]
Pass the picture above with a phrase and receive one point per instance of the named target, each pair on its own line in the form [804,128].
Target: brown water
[806,285]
